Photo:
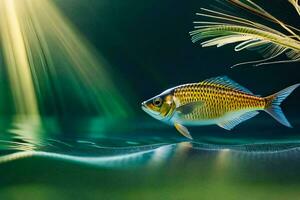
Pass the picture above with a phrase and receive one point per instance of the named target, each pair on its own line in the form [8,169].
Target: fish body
[217,100]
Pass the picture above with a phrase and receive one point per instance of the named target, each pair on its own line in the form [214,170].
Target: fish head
[160,107]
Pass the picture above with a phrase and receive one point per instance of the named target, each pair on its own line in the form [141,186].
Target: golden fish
[218,100]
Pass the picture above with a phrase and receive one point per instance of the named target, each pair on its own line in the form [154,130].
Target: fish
[214,101]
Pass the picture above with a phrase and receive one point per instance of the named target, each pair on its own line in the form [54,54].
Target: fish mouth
[149,111]
[144,107]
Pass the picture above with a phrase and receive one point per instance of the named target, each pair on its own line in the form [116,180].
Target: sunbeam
[50,63]
[52,70]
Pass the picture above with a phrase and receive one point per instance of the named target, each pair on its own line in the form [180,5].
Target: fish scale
[217,99]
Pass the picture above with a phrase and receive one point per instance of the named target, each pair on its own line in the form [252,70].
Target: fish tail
[273,104]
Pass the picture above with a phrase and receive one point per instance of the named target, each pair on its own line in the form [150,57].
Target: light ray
[52,67]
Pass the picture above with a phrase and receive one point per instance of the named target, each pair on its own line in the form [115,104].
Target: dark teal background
[149,49]
[148,44]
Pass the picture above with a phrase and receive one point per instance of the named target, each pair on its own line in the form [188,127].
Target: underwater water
[73,76]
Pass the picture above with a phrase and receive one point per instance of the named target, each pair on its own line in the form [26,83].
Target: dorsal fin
[227,82]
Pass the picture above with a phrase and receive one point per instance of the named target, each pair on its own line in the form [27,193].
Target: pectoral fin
[183,130]
[189,108]
[230,124]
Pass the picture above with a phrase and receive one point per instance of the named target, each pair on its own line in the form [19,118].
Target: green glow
[47,59]
[51,67]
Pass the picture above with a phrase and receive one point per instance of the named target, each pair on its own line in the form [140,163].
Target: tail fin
[274,101]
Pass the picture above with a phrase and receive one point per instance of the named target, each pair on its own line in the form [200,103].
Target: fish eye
[157,101]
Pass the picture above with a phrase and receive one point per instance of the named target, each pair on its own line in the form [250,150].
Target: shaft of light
[50,64]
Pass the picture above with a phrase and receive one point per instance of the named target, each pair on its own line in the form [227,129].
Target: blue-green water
[75,154]
[147,160]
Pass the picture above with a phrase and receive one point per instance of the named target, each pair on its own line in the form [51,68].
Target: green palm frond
[295,3]
[221,29]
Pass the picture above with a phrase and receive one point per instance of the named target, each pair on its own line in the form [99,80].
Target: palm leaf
[295,3]
[221,29]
